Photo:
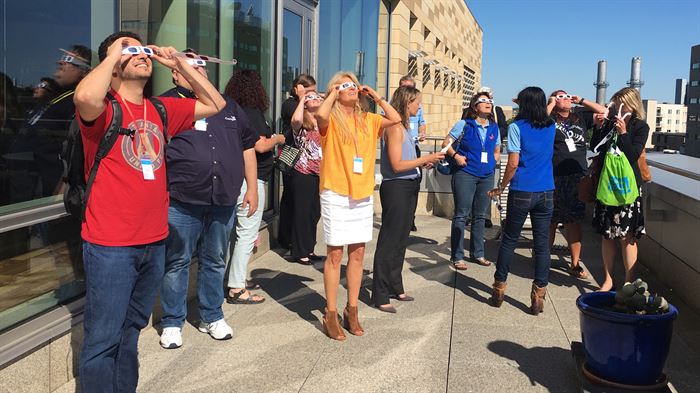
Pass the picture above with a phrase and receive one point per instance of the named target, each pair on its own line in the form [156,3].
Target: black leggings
[306,211]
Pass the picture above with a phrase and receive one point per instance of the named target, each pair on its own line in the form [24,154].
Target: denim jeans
[247,229]
[469,191]
[540,206]
[209,227]
[121,285]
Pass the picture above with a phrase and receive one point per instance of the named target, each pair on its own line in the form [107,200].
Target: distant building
[507,111]
[692,142]
[681,97]
[664,118]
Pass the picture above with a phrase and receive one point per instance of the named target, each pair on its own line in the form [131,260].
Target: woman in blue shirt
[477,149]
[529,172]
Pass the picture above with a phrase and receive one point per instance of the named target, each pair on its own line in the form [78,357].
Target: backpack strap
[106,143]
[158,104]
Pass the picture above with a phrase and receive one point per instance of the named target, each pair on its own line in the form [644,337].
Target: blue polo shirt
[414,122]
[205,164]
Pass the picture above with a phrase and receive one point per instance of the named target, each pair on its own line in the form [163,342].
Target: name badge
[570,144]
[484,157]
[147,169]
[413,126]
[357,165]
[200,125]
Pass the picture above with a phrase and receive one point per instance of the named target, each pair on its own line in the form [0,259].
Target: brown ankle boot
[331,326]
[537,296]
[352,321]
[498,293]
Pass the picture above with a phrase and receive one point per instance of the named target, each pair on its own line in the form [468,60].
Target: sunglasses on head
[347,85]
[135,50]
[313,97]
[196,62]
[563,96]
[73,60]
[483,100]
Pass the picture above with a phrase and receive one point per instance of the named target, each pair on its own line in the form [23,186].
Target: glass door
[297,42]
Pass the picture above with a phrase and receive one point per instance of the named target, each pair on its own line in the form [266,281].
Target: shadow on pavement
[290,291]
[550,367]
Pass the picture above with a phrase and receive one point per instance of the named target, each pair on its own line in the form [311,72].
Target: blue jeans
[121,285]
[469,191]
[247,229]
[540,206]
[205,228]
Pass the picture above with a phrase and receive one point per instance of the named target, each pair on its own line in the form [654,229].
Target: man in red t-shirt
[126,218]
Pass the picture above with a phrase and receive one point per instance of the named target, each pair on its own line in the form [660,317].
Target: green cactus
[634,298]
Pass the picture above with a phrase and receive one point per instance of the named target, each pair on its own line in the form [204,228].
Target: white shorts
[346,220]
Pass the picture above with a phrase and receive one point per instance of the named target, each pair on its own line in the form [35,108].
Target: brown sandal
[482,261]
[352,321]
[461,265]
[331,326]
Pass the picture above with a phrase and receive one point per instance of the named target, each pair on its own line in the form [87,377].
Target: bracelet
[581,102]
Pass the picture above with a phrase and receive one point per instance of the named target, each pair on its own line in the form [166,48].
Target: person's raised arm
[298,115]
[90,93]
[391,116]
[209,100]
[551,103]
[323,113]
[394,139]
[592,105]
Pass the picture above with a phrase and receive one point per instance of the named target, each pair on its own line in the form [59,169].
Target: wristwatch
[581,102]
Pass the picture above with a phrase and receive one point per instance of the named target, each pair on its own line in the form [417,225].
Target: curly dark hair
[246,88]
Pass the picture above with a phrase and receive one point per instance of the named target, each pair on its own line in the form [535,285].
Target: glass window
[695,66]
[693,100]
[346,28]
[694,83]
[48,47]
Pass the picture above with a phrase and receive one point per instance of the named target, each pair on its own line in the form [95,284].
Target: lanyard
[145,146]
[62,96]
[354,136]
[482,140]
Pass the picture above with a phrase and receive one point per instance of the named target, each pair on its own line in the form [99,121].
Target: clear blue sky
[557,44]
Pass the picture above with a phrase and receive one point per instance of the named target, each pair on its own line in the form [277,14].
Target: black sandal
[236,298]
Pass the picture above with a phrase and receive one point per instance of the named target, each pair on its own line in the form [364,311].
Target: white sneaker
[218,330]
[171,338]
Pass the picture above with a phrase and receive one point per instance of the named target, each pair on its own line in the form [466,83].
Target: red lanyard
[145,142]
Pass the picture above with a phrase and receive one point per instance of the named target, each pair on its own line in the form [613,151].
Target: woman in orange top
[349,143]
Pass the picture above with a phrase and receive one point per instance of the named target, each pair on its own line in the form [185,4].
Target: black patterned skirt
[615,222]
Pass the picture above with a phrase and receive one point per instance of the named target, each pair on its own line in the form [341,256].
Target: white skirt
[346,220]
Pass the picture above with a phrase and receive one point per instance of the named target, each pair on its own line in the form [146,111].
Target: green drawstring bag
[617,185]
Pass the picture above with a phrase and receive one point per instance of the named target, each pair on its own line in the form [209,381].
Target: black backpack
[77,190]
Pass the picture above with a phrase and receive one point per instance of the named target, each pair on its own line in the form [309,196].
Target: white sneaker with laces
[218,330]
[171,338]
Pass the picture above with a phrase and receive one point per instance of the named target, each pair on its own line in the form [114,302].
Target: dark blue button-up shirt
[205,167]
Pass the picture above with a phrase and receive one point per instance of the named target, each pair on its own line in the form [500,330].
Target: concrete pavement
[448,340]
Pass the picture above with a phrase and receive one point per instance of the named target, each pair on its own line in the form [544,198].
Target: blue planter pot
[624,348]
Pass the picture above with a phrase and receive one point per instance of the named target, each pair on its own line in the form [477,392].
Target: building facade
[664,118]
[692,141]
[41,275]
[681,88]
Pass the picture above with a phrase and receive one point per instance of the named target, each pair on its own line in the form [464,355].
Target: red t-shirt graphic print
[125,209]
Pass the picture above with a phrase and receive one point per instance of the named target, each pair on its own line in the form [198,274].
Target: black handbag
[287,158]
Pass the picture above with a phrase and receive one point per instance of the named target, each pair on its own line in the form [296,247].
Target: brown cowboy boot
[352,321]
[331,326]
[537,296]
[498,293]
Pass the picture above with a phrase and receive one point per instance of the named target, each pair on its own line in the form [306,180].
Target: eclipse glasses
[313,97]
[483,100]
[347,85]
[563,96]
[73,60]
[192,59]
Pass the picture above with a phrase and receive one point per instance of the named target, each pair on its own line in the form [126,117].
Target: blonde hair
[630,97]
[337,113]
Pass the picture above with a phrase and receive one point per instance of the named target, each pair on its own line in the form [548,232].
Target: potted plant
[626,335]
